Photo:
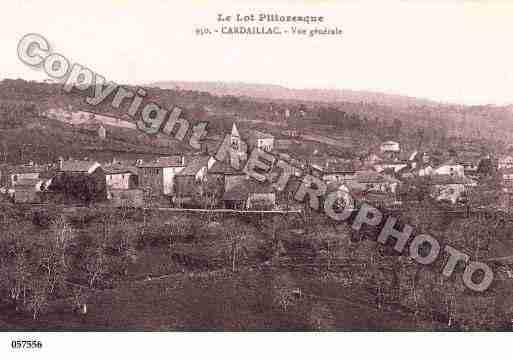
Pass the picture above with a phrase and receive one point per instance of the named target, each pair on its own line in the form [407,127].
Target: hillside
[473,122]
[339,127]
[276,92]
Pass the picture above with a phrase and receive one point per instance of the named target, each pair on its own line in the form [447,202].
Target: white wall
[169,174]
[454,170]
[17,176]
[118,180]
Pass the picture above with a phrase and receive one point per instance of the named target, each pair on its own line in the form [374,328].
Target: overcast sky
[450,51]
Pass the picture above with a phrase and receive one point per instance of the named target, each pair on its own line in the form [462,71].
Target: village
[95,210]
[387,176]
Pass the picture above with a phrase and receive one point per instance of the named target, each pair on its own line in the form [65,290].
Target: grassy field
[233,302]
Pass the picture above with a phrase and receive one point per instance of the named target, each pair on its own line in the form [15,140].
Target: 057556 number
[26,344]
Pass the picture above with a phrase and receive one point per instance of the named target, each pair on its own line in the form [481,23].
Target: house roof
[164,162]
[261,135]
[340,167]
[392,162]
[284,143]
[223,167]
[374,177]
[378,197]
[370,156]
[27,169]
[28,182]
[448,179]
[48,174]
[242,187]
[194,166]
[119,168]
[466,158]
[211,145]
[345,186]
[79,166]
[450,162]
[390,143]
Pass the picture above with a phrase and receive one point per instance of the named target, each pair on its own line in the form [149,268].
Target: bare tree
[96,265]
[21,277]
[148,193]
[38,299]
[54,252]
[238,235]
[181,227]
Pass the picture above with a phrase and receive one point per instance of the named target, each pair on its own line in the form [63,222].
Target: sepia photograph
[227,174]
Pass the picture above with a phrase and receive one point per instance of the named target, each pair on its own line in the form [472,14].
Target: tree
[148,199]
[486,168]
[54,253]
[21,277]
[96,265]
[38,299]
[272,228]
[237,233]
[486,193]
[123,243]
[180,227]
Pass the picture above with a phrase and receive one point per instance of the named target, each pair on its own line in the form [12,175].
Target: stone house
[119,177]
[158,175]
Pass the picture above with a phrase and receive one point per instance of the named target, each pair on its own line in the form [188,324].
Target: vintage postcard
[255,166]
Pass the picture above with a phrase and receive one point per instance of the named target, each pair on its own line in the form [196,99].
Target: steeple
[235,131]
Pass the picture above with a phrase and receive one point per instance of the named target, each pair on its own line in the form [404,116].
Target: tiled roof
[194,166]
[239,187]
[260,135]
[374,177]
[28,182]
[392,162]
[390,143]
[164,162]
[340,167]
[79,166]
[450,162]
[223,167]
[27,169]
[119,168]
[448,179]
